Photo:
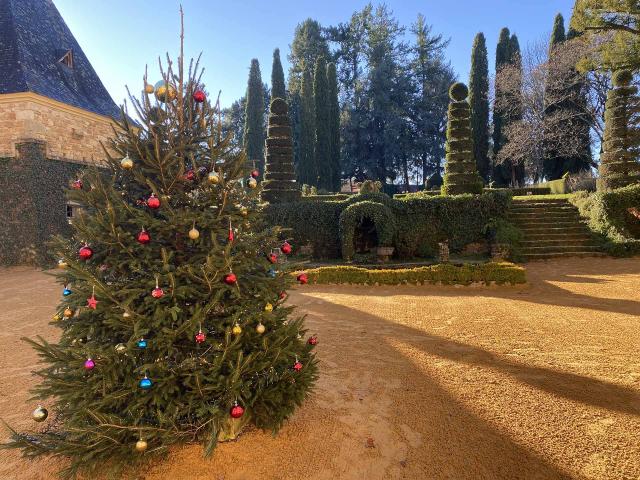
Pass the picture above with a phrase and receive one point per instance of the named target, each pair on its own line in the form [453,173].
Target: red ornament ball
[200,337]
[313,340]
[143,237]
[303,279]
[297,366]
[282,295]
[236,411]
[199,96]
[85,252]
[89,364]
[153,201]
[189,175]
[255,173]
[273,258]
[230,278]
[77,185]
[157,292]
[286,248]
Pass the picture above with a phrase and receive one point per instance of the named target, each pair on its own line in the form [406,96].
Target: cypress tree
[254,117]
[517,109]
[307,170]
[479,100]
[620,165]
[277,78]
[502,59]
[322,139]
[334,127]
[461,175]
[552,164]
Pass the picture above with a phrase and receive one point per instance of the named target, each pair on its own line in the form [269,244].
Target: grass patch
[556,196]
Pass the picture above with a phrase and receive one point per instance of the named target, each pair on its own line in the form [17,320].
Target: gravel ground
[536,382]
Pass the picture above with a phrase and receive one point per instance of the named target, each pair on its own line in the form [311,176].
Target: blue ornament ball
[66,292]
[142,343]
[145,383]
[272,273]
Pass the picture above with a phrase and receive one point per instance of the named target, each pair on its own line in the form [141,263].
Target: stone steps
[552,229]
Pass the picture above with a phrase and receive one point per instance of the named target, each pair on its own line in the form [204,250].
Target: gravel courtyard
[535,382]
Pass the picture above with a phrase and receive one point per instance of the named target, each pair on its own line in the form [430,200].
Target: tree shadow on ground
[461,445]
[541,289]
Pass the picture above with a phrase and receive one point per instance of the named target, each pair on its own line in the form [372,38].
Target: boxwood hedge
[420,222]
[448,274]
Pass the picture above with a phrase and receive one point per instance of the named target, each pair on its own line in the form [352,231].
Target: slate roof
[33,38]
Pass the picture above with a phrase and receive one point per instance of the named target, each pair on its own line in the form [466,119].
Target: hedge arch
[354,214]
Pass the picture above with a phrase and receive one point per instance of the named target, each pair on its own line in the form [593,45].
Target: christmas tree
[172,317]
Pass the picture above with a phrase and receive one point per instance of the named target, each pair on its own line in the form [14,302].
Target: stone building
[54,114]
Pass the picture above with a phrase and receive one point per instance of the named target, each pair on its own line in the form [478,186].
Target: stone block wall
[69,133]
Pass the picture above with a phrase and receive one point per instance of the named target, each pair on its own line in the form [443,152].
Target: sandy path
[541,382]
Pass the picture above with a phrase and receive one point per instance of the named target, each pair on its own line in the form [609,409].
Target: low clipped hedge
[421,222]
[608,214]
[448,274]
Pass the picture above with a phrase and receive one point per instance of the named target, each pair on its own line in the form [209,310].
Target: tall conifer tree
[254,117]
[517,108]
[322,140]
[479,100]
[334,127]
[307,170]
[277,78]
[502,59]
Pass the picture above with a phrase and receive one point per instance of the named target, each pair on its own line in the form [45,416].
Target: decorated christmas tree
[173,327]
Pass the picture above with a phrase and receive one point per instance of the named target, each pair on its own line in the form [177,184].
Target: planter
[384,253]
[500,251]
[443,252]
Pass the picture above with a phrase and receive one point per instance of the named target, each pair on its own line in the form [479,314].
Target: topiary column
[619,165]
[279,184]
[461,174]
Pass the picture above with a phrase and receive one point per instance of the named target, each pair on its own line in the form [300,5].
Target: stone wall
[69,133]
[33,204]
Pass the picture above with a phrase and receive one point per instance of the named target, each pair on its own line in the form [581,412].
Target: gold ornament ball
[237,330]
[148,88]
[126,163]
[67,312]
[141,445]
[62,264]
[260,328]
[40,414]
[214,179]
[56,317]
[253,183]
[268,307]
[121,348]
[194,234]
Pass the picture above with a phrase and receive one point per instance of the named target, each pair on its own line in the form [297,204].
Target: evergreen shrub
[500,273]
[420,221]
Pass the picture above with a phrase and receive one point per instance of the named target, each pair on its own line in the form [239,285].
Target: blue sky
[121,36]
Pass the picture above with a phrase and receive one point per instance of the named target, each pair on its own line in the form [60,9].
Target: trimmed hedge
[421,221]
[448,274]
[607,214]
[355,213]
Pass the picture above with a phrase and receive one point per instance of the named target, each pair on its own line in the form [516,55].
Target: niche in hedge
[362,224]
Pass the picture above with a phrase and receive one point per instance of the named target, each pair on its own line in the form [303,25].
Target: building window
[67,59]
[71,210]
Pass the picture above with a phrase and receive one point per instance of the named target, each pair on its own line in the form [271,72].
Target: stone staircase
[552,228]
